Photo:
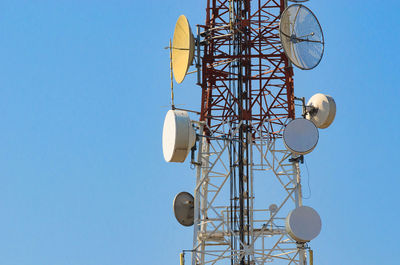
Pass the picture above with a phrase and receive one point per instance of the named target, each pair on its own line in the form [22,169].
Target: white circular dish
[303,224]
[300,136]
[322,110]
[178,136]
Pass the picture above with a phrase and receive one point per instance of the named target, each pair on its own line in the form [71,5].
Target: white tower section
[215,237]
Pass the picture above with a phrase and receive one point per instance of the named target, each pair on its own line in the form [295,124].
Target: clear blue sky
[82,89]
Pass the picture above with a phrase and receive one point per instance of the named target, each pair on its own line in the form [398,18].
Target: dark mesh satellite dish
[301,36]
[184,208]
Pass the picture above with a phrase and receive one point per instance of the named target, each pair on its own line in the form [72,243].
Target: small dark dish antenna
[184,208]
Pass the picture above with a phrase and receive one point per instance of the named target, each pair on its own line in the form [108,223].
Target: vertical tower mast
[247,93]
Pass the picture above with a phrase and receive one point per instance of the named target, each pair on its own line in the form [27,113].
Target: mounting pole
[172,78]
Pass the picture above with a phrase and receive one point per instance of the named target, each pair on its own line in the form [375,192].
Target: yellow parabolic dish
[182,49]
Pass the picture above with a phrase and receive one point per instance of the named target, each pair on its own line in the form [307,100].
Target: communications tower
[247,142]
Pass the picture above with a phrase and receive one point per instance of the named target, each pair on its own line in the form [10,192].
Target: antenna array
[247,140]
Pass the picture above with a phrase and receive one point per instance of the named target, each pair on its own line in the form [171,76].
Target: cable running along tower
[246,144]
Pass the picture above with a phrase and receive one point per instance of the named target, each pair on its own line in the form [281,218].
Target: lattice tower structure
[245,74]
[247,99]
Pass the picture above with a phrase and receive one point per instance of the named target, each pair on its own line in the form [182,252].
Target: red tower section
[246,77]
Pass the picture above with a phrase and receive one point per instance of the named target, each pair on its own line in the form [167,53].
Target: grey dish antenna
[273,208]
[303,224]
[184,208]
[301,36]
[300,136]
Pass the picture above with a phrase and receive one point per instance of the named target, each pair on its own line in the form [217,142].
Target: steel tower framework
[245,74]
[247,99]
